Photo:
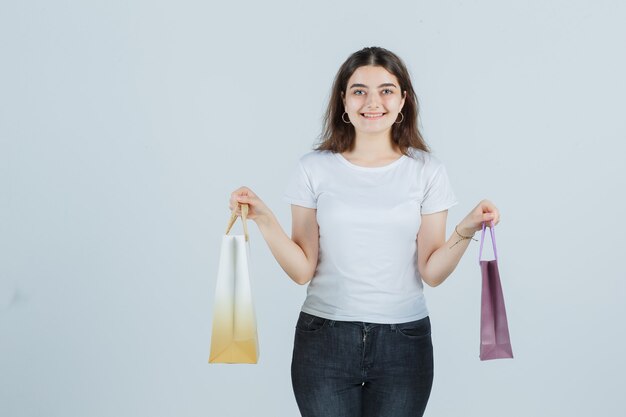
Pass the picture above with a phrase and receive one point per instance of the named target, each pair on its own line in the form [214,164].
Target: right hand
[257,210]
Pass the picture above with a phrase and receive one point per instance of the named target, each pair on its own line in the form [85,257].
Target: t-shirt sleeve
[299,189]
[438,193]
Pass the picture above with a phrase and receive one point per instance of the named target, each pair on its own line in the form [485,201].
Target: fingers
[243,191]
[242,195]
[491,218]
[490,213]
[488,217]
[234,196]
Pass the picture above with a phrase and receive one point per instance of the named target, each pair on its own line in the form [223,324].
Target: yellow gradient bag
[234,336]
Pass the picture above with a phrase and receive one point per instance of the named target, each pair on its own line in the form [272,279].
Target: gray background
[124,126]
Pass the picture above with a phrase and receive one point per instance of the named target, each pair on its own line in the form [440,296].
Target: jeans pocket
[415,329]
[308,323]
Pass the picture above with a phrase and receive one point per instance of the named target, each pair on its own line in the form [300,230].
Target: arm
[296,256]
[437,258]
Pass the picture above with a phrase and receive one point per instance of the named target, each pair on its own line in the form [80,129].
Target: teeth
[373,115]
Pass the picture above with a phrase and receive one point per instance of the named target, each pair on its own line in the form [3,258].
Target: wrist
[464,231]
[265,220]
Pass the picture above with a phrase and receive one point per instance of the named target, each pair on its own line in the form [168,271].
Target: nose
[372,101]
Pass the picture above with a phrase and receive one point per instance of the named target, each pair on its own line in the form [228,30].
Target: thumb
[243,199]
[488,216]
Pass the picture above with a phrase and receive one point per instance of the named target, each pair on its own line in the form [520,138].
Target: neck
[375,144]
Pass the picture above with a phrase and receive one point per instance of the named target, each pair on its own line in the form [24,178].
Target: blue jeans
[356,369]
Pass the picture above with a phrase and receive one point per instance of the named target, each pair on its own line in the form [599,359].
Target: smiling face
[373,100]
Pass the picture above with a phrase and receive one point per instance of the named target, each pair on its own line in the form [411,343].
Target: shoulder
[427,159]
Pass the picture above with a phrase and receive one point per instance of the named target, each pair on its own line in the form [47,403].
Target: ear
[343,99]
[403,100]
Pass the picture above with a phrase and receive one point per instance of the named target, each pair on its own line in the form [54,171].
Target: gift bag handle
[493,242]
[244,217]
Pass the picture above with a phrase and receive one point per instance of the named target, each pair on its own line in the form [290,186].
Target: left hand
[485,211]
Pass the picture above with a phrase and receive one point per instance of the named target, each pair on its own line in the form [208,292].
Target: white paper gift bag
[234,336]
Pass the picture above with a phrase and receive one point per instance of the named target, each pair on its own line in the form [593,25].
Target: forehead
[372,76]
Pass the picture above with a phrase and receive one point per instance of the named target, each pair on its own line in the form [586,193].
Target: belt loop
[331,323]
[393,327]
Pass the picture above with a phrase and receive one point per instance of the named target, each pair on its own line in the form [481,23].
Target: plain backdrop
[125,126]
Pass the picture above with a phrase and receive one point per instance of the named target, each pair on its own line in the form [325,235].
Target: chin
[374,129]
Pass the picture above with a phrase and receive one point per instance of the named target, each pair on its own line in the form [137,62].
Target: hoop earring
[401,120]
[344,119]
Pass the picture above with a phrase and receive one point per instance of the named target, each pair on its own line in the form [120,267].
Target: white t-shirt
[368,222]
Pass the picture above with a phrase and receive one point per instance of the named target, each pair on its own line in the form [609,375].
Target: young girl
[369,208]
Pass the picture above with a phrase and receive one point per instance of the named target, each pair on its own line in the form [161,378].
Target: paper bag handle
[493,242]
[244,217]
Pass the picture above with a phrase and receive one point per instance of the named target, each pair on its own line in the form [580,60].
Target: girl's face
[373,99]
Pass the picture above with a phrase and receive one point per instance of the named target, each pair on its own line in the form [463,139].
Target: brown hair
[338,136]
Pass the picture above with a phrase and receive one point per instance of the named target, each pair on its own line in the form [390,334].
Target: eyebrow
[382,85]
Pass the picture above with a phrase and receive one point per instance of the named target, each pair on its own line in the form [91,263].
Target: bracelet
[462,237]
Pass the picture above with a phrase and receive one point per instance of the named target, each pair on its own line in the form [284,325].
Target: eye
[355,92]
[390,91]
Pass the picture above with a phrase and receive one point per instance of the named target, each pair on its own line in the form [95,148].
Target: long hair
[338,136]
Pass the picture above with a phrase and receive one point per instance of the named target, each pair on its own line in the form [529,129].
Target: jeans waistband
[364,325]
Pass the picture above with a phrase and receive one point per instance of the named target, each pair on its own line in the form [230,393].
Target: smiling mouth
[373,115]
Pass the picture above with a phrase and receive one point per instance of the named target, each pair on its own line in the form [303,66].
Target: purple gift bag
[494,330]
